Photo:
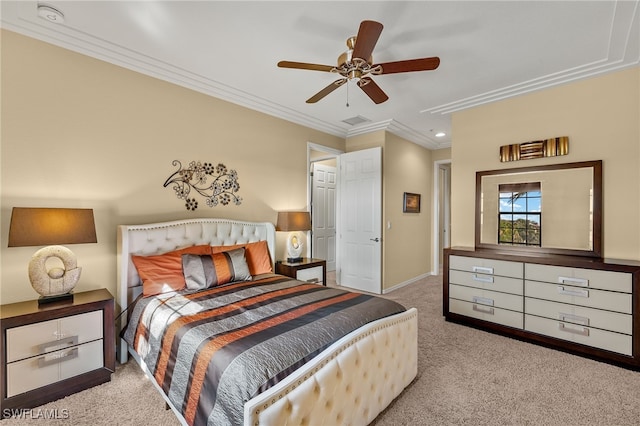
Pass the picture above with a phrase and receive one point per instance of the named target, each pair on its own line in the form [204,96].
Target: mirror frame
[596,250]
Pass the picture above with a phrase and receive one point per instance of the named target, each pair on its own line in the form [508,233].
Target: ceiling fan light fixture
[357,64]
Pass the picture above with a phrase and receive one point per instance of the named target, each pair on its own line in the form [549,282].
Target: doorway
[357,215]
[322,164]
[323,211]
[441,211]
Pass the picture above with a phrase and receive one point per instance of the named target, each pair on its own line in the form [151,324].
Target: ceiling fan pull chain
[347,94]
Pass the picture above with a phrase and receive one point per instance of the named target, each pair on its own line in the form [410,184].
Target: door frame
[330,153]
[437,225]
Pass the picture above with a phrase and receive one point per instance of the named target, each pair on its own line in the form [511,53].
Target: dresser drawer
[486,297]
[604,280]
[310,274]
[486,266]
[606,320]
[487,313]
[38,371]
[618,302]
[47,336]
[487,282]
[608,340]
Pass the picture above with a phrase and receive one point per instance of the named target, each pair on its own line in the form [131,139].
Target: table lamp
[294,222]
[52,227]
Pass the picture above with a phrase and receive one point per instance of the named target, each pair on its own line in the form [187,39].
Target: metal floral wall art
[217,184]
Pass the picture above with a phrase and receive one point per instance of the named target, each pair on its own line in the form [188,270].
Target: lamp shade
[293,221]
[51,226]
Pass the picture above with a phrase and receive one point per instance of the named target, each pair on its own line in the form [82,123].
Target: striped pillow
[204,271]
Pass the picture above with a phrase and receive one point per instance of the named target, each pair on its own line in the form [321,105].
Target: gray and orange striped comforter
[213,350]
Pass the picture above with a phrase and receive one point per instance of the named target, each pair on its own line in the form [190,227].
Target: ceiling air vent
[358,119]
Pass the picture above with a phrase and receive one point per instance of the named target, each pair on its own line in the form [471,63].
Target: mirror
[554,209]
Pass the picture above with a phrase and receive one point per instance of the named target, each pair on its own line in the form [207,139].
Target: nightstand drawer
[38,371]
[310,274]
[48,336]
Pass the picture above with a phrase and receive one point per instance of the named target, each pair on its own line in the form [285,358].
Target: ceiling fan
[357,64]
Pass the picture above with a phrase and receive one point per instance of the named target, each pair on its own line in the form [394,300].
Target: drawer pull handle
[482,270]
[58,344]
[483,309]
[482,279]
[573,318]
[584,331]
[574,281]
[577,293]
[482,300]
[57,358]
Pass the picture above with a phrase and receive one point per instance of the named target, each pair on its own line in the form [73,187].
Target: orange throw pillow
[163,273]
[257,255]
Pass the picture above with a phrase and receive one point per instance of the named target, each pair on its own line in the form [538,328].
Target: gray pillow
[204,271]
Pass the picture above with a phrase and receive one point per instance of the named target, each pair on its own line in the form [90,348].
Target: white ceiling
[489,50]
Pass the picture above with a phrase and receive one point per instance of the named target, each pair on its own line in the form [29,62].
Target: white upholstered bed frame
[350,382]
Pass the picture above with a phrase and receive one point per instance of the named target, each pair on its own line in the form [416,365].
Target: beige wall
[78,132]
[407,168]
[441,154]
[600,116]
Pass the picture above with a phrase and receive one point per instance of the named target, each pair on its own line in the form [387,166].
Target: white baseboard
[407,282]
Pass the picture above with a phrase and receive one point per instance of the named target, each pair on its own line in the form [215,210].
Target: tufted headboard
[157,238]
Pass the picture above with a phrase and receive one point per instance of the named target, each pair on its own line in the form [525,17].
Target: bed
[350,380]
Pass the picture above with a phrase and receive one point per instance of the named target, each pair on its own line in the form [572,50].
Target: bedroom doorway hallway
[322,179]
[441,211]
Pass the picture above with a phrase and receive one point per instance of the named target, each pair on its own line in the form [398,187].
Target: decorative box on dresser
[54,350]
[583,305]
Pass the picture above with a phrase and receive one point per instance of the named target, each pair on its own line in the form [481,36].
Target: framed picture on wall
[411,203]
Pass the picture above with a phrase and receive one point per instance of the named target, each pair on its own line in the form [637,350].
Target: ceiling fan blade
[324,92]
[305,66]
[372,90]
[423,64]
[366,40]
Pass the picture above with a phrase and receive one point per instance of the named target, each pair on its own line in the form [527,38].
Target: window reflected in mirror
[519,210]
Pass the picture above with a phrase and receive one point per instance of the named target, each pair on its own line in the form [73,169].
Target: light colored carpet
[465,377]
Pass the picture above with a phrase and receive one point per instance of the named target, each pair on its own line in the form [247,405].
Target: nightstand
[310,270]
[55,350]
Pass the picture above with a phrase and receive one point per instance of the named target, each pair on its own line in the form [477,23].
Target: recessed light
[440,134]
[50,14]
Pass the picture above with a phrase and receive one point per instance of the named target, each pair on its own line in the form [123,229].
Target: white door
[360,220]
[323,212]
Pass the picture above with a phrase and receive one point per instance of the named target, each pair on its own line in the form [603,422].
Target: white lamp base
[56,281]
[294,247]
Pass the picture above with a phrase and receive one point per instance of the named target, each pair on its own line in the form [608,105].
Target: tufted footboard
[350,383]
